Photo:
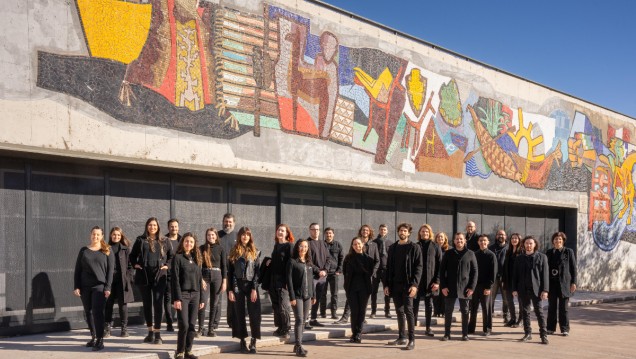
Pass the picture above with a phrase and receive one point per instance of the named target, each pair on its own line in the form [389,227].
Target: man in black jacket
[429,284]
[173,239]
[403,274]
[227,239]
[458,279]
[321,260]
[486,274]
[500,248]
[333,273]
[472,236]
[383,243]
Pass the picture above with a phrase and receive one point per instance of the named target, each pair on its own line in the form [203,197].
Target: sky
[584,48]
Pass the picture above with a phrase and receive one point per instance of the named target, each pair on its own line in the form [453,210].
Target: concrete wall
[291,90]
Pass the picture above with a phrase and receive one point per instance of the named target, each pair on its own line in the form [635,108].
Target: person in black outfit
[458,279]
[122,287]
[151,256]
[243,269]
[321,260]
[278,291]
[403,273]
[228,240]
[383,243]
[359,269]
[499,248]
[187,293]
[333,273]
[563,275]
[441,239]
[365,233]
[92,282]
[429,283]
[513,251]
[530,283]
[472,236]
[300,283]
[486,274]
[214,272]
[173,240]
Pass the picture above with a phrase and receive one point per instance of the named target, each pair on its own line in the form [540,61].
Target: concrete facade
[291,90]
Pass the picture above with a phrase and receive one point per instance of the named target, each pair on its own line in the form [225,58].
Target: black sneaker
[544,340]
[565,333]
[323,315]
[429,332]
[190,355]
[410,345]
[150,338]
[211,333]
[388,315]
[465,338]
[372,316]
[446,338]
[526,338]
[316,323]
[398,341]
[342,320]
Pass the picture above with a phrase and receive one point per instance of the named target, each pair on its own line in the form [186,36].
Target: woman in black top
[300,283]
[563,275]
[358,270]
[93,279]
[243,268]
[214,272]
[187,293]
[278,291]
[438,309]
[151,257]
[122,289]
[514,250]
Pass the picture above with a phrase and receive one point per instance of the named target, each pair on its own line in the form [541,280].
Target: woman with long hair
[358,269]
[278,290]
[243,269]
[152,257]
[563,278]
[187,293]
[93,279]
[514,250]
[438,301]
[300,274]
[214,271]
[429,282]
[122,287]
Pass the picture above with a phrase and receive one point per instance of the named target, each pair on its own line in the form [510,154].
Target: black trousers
[558,302]
[117,295]
[528,297]
[428,307]
[332,286]
[375,285]
[404,308]
[93,301]
[449,305]
[229,312]
[320,286]
[167,302]
[496,288]
[358,300]
[512,309]
[301,312]
[281,307]
[187,318]
[479,298]
[212,293]
[438,305]
[242,298]
[152,296]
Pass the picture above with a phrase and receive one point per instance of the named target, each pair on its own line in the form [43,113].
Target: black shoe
[124,332]
[509,323]
[107,329]
[357,339]
[91,343]
[150,337]
[526,338]
[323,315]
[178,355]
[211,333]
[169,327]
[352,339]
[410,345]
[342,320]
[550,332]
[99,344]
[465,338]
[388,315]
[429,332]
[333,315]
[190,355]
[300,352]
[544,340]
[514,324]
[308,326]
[315,323]
[244,349]
[253,346]
[372,315]
[285,334]
[487,333]
[446,338]
[157,339]
[398,341]
[565,333]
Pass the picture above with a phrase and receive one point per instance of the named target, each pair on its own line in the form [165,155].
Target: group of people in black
[173,273]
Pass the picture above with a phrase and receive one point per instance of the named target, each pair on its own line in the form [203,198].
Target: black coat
[243,269]
[458,272]
[359,264]
[372,250]
[414,266]
[500,253]
[471,241]
[297,280]
[126,273]
[539,273]
[140,254]
[562,270]
[431,259]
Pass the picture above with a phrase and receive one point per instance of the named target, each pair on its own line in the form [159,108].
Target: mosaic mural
[203,68]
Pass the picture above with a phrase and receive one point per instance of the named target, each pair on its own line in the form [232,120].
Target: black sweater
[186,275]
[94,268]
[218,257]
[320,257]
[486,268]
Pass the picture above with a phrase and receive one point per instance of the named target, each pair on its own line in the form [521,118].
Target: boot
[124,331]
[150,338]
[300,351]
[244,349]
[157,338]
[99,344]
[91,343]
[169,327]
[107,329]
[211,332]
[199,333]
[253,346]
[190,355]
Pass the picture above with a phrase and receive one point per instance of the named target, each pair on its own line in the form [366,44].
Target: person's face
[514,240]
[245,238]
[303,247]
[529,245]
[115,236]
[440,240]
[97,235]
[483,243]
[357,246]
[173,228]
[228,224]
[152,228]
[384,231]
[211,237]
[364,232]
[188,244]
[501,236]
[557,242]
[314,231]
[329,235]
[470,227]
[460,242]
[425,233]
[404,233]
[281,234]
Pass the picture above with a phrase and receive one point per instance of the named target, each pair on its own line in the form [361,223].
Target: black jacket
[431,259]
[458,272]
[413,262]
[359,264]
[486,268]
[383,244]
[335,251]
[281,254]
[186,275]
[126,273]
[500,253]
[471,241]
[243,269]
[539,273]
[140,255]
[298,281]
[562,270]
[508,269]
[320,258]
[371,249]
